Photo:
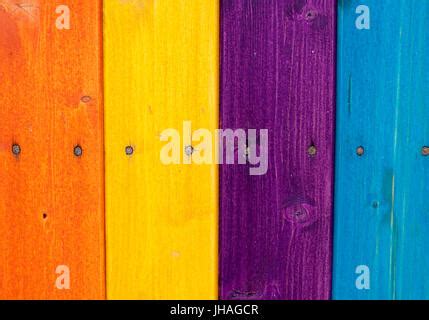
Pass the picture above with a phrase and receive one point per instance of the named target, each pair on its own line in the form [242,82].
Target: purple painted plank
[278,64]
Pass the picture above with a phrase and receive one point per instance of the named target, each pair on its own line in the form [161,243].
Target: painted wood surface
[381,217]
[277,63]
[161,68]
[51,202]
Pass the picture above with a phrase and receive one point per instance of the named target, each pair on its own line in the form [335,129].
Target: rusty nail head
[78,151]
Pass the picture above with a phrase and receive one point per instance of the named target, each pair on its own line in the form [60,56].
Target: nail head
[189,150]
[129,150]
[360,151]
[16,149]
[78,151]
[312,151]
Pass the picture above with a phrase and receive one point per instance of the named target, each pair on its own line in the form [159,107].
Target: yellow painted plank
[161,69]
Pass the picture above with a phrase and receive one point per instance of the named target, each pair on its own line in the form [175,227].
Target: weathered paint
[161,68]
[381,216]
[278,73]
[51,202]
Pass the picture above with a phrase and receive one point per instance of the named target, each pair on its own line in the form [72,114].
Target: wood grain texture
[277,63]
[161,68]
[51,202]
[381,217]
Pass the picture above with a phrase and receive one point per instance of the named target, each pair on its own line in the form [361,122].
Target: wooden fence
[115,173]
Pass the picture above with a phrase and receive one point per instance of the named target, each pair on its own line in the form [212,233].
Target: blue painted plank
[381,210]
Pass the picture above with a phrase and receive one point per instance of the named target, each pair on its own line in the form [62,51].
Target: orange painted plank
[51,201]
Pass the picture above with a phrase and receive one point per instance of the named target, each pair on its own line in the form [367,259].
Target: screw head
[425,151]
[78,151]
[312,151]
[360,151]
[16,149]
[129,150]
[189,150]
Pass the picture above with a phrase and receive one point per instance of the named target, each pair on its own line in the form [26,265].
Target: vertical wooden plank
[381,214]
[385,201]
[367,85]
[278,74]
[412,155]
[51,201]
[161,68]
